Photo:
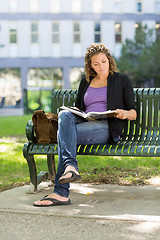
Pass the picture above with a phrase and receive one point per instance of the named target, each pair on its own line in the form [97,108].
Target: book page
[100,115]
[75,111]
[90,115]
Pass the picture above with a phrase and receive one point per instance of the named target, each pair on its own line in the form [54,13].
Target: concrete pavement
[97,212]
[11,111]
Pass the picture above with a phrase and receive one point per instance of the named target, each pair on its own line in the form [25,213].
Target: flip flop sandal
[73,178]
[54,201]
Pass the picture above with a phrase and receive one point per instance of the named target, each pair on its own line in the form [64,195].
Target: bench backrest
[147,125]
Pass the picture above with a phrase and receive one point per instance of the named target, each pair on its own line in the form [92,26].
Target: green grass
[12,165]
[13,125]
[120,170]
[116,170]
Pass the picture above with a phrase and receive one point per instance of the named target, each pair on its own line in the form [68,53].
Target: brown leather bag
[45,126]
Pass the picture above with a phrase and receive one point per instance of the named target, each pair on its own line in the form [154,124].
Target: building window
[97,6]
[12,5]
[34,32]
[34,5]
[75,76]
[55,32]
[76,32]
[10,87]
[118,32]
[157,27]
[117,6]
[40,82]
[138,6]
[76,6]
[55,6]
[157,6]
[97,32]
[45,77]
[13,32]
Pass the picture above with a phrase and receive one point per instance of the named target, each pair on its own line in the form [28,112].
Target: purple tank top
[95,99]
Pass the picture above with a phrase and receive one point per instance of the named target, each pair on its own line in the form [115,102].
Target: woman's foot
[50,203]
[70,174]
[70,168]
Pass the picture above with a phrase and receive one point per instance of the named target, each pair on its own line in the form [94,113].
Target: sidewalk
[109,208]
[11,111]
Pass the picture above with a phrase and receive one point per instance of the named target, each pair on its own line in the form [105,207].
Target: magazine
[91,115]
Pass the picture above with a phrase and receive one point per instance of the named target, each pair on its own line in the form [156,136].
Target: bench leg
[32,167]
[51,167]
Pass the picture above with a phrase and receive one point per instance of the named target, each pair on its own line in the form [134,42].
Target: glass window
[41,81]
[1,43]
[55,6]
[157,27]
[97,6]
[76,32]
[97,32]
[55,32]
[75,77]
[12,5]
[139,6]
[10,87]
[45,77]
[13,32]
[76,6]
[157,6]
[118,33]
[34,32]
[117,6]
[34,5]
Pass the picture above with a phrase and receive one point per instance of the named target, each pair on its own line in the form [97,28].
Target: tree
[140,58]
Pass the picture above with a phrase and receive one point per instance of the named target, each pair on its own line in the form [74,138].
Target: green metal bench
[140,137]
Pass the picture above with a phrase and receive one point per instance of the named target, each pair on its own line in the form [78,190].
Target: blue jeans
[73,130]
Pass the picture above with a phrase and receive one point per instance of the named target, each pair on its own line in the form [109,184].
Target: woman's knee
[65,116]
[62,114]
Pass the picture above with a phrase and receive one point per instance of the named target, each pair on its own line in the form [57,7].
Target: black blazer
[119,95]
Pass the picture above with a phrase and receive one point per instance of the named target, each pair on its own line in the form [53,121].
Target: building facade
[43,42]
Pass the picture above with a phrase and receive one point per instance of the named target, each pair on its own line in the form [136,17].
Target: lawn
[13,126]
[113,170]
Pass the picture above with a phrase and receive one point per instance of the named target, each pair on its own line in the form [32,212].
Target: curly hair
[92,50]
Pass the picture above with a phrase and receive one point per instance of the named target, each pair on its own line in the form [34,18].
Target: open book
[90,115]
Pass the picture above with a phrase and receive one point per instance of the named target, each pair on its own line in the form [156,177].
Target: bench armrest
[30,132]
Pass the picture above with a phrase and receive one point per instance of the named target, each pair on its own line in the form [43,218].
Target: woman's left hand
[124,114]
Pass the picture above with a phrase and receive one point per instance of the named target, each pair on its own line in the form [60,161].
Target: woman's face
[100,64]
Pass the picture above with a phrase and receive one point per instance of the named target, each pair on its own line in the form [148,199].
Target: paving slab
[131,203]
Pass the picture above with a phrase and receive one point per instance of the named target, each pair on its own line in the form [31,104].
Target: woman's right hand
[124,114]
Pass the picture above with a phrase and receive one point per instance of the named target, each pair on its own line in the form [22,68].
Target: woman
[102,88]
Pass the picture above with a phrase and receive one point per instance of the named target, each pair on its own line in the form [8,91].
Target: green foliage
[12,72]
[140,58]
[38,100]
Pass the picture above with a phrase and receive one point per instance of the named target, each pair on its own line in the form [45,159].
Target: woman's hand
[124,114]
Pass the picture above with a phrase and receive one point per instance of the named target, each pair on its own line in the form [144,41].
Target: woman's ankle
[71,168]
